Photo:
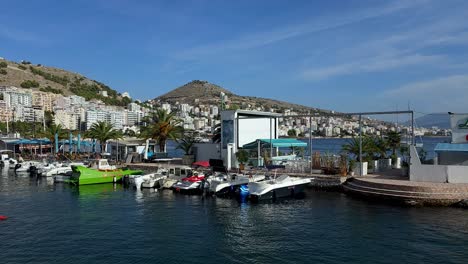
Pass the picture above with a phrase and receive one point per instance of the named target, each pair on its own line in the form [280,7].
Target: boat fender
[115,179]
[3,217]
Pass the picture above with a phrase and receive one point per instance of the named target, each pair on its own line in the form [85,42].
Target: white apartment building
[67,119]
[166,107]
[133,107]
[117,119]
[16,97]
[94,116]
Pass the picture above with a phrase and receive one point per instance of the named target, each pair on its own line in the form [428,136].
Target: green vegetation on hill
[29,84]
[3,71]
[49,89]
[91,91]
[3,64]
[61,80]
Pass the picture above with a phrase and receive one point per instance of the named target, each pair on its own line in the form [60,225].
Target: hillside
[440,120]
[49,79]
[208,93]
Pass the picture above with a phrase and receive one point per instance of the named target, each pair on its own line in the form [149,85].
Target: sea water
[106,223]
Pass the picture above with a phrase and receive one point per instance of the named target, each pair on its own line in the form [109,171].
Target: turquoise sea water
[109,224]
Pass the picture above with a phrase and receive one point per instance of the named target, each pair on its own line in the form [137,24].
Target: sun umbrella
[201,163]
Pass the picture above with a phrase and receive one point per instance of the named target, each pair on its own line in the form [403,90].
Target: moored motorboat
[151,180]
[175,174]
[190,185]
[278,187]
[99,171]
[231,184]
[60,169]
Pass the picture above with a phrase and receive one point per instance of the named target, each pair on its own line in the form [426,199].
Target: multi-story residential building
[43,100]
[134,107]
[166,107]
[116,118]
[131,118]
[68,119]
[94,116]
[15,97]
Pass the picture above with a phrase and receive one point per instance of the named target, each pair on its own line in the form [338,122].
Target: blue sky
[341,55]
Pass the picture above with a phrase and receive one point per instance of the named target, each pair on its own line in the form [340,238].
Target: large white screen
[255,128]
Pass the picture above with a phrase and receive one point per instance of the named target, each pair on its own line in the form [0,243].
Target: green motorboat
[99,172]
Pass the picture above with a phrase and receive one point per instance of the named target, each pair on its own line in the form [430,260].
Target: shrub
[3,71]
[3,64]
[49,89]
[22,67]
[29,84]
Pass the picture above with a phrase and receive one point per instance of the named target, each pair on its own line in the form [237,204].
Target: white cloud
[436,95]
[259,39]
[375,64]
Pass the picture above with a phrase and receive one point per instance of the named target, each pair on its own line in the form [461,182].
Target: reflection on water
[110,224]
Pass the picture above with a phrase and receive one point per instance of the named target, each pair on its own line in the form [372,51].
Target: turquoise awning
[277,143]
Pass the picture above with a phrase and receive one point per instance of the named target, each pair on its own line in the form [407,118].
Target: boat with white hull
[151,180]
[279,187]
[231,184]
[59,169]
[175,174]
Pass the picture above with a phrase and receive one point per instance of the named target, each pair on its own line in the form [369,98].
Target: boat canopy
[276,143]
[451,147]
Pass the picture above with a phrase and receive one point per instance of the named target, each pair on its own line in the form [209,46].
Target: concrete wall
[206,151]
[436,173]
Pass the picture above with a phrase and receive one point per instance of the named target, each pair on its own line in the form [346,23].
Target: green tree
[393,141]
[352,147]
[102,132]
[186,143]
[292,133]
[53,129]
[163,126]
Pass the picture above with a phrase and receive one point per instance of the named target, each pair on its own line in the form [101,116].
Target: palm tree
[163,126]
[352,147]
[53,129]
[103,131]
[393,141]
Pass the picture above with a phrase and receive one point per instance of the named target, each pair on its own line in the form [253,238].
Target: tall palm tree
[53,129]
[103,131]
[393,141]
[163,126]
[352,147]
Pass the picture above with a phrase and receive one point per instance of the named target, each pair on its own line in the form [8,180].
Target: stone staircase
[408,192]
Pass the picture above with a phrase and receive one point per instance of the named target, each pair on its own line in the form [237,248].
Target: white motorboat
[175,174]
[25,166]
[231,184]
[278,187]
[61,169]
[6,159]
[190,185]
[151,180]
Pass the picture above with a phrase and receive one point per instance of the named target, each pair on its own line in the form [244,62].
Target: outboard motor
[33,171]
[2,164]
[17,166]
